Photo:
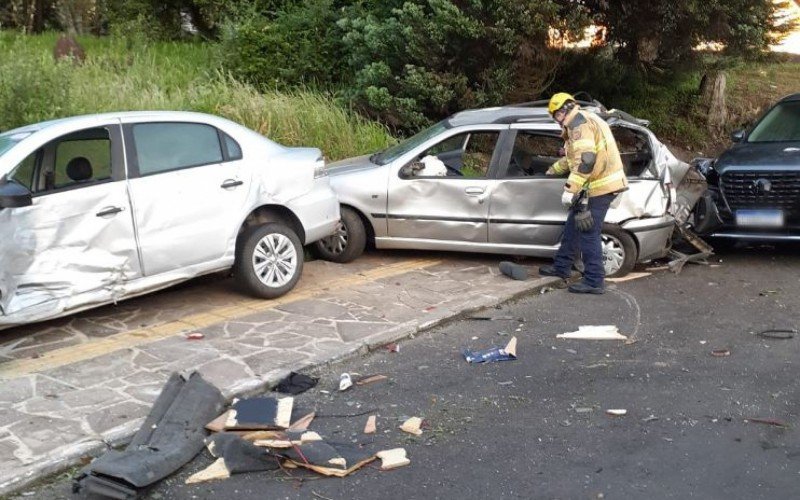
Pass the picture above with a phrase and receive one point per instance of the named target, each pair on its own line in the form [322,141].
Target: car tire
[619,251]
[253,270]
[348,242]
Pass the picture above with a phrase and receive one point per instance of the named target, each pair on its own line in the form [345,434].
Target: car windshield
[781,124]
[398,150]
[6,143]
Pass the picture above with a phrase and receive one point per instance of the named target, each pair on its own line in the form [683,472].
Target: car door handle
[109,211]
[474,191]
[230,183]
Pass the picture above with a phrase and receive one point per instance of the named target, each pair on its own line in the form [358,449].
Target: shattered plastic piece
[392,459]
[260,413]
[604,332]
[507,353]
[371,379]
[412,426]
[195,336]
[218,424]
[327,459]
[513,271]
[345,382]
[234,455]
[371,426]
[302,423]
[213,472]
[616,412]
[296,383]
[171,436]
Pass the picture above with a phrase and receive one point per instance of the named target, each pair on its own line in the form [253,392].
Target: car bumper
[652,236]
[714,218]
[318,210]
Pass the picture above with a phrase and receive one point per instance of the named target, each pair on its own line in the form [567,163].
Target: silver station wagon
[476,182]
[98,208]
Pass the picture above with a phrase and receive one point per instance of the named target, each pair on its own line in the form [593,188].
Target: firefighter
[595,176]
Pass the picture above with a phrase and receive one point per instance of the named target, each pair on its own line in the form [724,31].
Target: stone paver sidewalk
[72,388]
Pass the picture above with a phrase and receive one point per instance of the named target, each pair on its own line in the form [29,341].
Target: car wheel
[348,242]
[269,260]
[619,251]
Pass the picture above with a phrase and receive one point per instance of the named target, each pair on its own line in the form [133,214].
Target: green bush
[427,59]
[297,45]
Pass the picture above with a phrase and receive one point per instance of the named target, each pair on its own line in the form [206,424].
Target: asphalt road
[537,427]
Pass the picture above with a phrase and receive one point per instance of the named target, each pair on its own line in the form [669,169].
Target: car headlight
[320,168]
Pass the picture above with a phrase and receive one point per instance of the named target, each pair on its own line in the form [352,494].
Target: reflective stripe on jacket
[592,158]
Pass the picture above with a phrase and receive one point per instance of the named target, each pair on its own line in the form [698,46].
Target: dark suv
[754,187]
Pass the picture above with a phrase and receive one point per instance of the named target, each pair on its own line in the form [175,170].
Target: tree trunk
[712,91]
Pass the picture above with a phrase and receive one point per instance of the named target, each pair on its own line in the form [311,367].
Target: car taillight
[320,168]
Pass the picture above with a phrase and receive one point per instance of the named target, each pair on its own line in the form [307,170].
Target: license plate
[760,218]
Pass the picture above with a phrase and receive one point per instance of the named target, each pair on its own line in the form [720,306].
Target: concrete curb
[119,436]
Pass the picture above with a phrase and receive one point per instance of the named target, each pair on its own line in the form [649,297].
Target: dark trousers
[588,243]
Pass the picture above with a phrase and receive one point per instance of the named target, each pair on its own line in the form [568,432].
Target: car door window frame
[46,153]
[133,158]
[494,162]
[508,150]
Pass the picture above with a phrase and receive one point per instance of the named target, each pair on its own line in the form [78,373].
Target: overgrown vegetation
[121,75]
[404,63]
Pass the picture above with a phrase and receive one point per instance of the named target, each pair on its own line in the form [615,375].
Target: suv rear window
[781,124]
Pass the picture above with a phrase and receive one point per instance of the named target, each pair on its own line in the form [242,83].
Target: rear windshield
[781,124]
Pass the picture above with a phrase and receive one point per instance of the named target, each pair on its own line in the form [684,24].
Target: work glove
[567,198]
[583,217]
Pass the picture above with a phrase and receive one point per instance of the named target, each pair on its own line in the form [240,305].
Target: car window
[781,124]
[23,173]
[533,153]
[82,160]
[77,159]
[234,150]
[162,147]
[468,154]
[634,150]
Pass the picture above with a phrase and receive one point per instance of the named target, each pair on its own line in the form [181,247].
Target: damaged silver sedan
[99,208]
[476,182]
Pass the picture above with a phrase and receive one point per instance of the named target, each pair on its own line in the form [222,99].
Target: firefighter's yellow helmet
[558,100]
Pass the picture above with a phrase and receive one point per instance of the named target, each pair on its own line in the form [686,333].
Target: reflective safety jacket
[592,156]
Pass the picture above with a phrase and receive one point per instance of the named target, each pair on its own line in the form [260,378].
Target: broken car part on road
[171,436]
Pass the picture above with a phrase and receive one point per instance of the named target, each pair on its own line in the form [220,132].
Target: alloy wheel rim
[613,254]
[337,242]
[275,260]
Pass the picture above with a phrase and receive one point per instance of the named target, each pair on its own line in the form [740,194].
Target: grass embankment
[125,75]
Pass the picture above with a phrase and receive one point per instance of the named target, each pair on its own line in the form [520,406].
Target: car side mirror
[737,136]
[14,195]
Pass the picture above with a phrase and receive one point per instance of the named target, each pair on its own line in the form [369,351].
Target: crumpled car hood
[350,165]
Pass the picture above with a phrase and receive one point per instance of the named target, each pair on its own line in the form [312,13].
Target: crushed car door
[75,245]
[187,191]
[452,207]
[526,205]
[647,195]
